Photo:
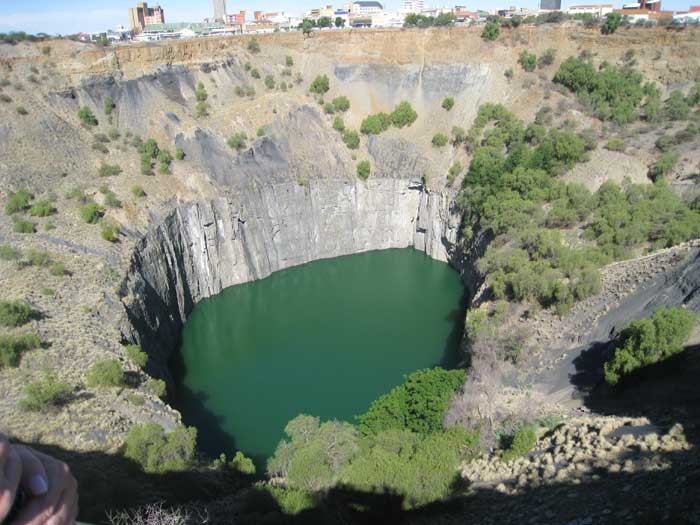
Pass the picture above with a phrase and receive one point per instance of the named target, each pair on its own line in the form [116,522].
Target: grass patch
[104,374]
[46,394]
[13,346]
[14,313]
[23,226]
[136,355]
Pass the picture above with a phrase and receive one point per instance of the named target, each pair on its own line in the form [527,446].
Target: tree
[157,451]
[306,27]
[320,85]
[448,103]
[339,22]
[87,117]
[324,21]
[440,140]
[490,32]
[403,115]
[363,169]
[375,124]
[351,139]
[528,61]
[341,104]
[612,22]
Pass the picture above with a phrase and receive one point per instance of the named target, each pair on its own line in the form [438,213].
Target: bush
[201,92]
[98,146]
[269,82]
[615,145]
[241,463]
[22,110]
[440,140]
[676,106]
[649,341]
[113,134]
[14,313]
[417,405]
[528,61]
[663,165]
[253,45]
[363,169]
[110,232]
[111,199]
[136,355]
[38,258]
[255,73]
[138,191]
[201,110]
[338,124]
[320,85]
[42,208]
[17,201]
[58,269]
[23,226]
[351,139]
[158,452]
[13,346]
[109,105]
[260,132]
[523,442]
[8,253]
[448,103]
[375,124]
[612,22]
[91,213]
[179,153]
[341,104]
[453,172]
[547,58]
[107,373]
[109,170]
[403,115]
[328,108]
[237,141]
[288,61]
[490,31]
[87,117]
[45,394]
[157,387]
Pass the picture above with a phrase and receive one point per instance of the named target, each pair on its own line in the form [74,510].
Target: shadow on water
[451,357]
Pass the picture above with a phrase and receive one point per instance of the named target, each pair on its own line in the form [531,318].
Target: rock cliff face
[203,247]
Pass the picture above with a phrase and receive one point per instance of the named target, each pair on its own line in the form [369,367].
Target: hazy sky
[72,16]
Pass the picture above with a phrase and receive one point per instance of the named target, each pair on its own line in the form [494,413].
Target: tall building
[550,5]
[142,15]
[220,10]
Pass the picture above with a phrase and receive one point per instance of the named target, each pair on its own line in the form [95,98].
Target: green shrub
[341,104]
[45,394]
[136,355]
[87,117]
[328,108]
[111,200]
[22,110]
[269,82]
[58,269]
[38,258]
[338,124]
[663,165]
[289,501]
[179,153]
[676,106]
[113,134]
[454,172]
[158,452]
[260,132]
[448,103]
[137,191]
[23,226]
[547,58]
[490,31]
[110,231]
[8,253]
[611,23]
[98,146]
[237,141]
[375,124]
[363,169]
[615,145]
[109,170]
[201,92]
[107,373]
[42,208]
[351,139]
[253,45]
[91,212]
[163,168]
[255,73]
[13,346]
[440,140]
[403,115]
[417,405]
[649,341]
[109,105]
[523,442]
[157,387]
[320,85]
[528,61]
[48,292]
[664,142]
[201,110]
[288,61]
[5,98]
[241,463]
[17,201]
[14,313]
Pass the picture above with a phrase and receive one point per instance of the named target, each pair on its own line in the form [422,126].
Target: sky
[73,16]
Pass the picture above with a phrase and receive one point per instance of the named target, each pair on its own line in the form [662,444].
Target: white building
[220,10]
[364,8]
[387,19]
[687,18]
[598,10]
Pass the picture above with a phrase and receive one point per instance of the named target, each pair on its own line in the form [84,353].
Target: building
[366,9]
[597,10]
[142,15]
[413,6]
[387,19]
[648,5]
[236,19]
[550,5]
[220,10]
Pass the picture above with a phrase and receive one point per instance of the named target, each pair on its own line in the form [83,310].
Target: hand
[10,475]
[54,492]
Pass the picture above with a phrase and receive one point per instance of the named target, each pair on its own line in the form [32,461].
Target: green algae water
[325,339]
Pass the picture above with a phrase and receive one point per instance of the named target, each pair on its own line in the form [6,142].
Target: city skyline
[73,16]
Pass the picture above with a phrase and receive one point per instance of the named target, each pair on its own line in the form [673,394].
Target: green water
[325,339]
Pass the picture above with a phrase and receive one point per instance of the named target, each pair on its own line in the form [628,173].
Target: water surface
[325,339]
